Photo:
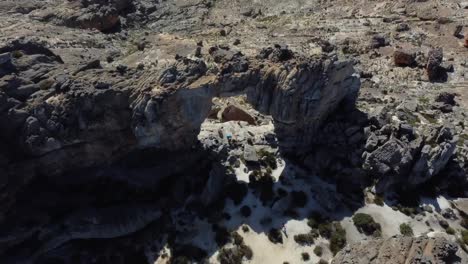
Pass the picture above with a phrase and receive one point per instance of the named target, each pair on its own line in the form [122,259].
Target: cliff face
[59,117]
[298,93]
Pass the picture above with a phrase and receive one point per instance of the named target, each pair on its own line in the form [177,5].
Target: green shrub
[318,251]
[366,224]
[305,256]
[238,239]
[246,251]
[304,239]
[464,234]
[236,254]
[245,211]
[17,54]
[338,238]
[268,158]
[450,231]
[275,236]
[315,219]
[325,230]
[406,230]
[378,200]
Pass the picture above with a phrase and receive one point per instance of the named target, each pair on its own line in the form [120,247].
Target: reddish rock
[234,113]
[466,41]
[403,58]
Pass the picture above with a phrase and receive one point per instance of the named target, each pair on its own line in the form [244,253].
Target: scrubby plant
[315,219]
[246,251]
[245,211]
[304,239]
[464,235]
[325,230]
[338,238]
[17,54]
[268,158]
[305,256]
[378,200]
[245,229]
[318,251]
[322,261]
[450,231]
[233,255]
[406,230]
[274,235]
[237,239]
[237,253]
[366,224]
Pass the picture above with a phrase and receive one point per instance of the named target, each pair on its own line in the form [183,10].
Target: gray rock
[399,250]
[5,58]
[250,154]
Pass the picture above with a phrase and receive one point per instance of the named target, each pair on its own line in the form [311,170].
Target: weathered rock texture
[399,250]
[55,121]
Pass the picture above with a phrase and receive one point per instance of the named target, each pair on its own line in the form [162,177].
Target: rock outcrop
[398,156]
[399,250]
[103,15]
[54,121]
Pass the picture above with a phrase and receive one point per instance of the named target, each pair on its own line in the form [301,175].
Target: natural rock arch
[298,93]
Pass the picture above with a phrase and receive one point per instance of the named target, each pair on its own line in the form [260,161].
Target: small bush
[230,256]
[304,239]
[17,54]
[268,158]
[406,230]
[236,254]
[305,256]
[464,235]
[315,219]
[245,229]
[246,251]
[366,224]
[450,231]
[338,239]
[325,230]
[318,251]
[322,261]
[378,200]
[245,211]
[275,236]
[238,239]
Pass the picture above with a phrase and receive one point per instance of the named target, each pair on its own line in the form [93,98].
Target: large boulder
[234,113]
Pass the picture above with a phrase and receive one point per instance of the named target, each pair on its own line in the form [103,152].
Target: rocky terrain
[215,131]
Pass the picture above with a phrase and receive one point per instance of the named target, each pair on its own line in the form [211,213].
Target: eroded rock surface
[399,250]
